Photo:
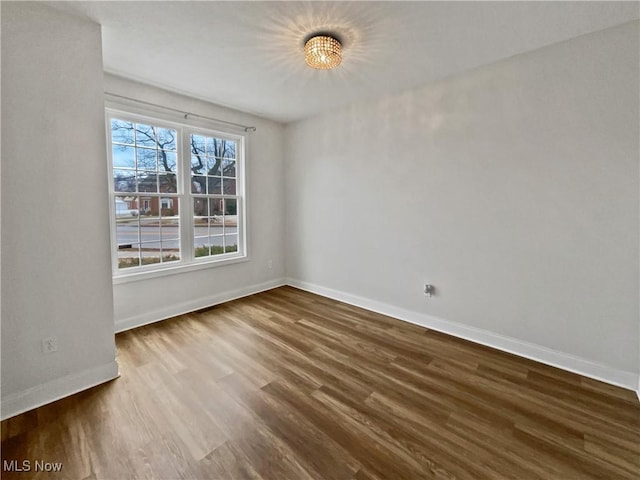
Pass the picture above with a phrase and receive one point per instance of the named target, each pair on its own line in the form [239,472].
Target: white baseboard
[565,361]
[193,305]
[56,389]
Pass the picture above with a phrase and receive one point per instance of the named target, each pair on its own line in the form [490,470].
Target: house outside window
[177,195]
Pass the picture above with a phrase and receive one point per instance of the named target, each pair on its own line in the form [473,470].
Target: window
[176,194]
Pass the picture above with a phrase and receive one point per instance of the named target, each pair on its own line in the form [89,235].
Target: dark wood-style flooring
[289,385]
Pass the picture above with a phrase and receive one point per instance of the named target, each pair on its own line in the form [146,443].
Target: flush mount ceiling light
[323,52]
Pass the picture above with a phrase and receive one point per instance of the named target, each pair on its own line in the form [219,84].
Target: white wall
[513,188]
[149,300]
[55,226]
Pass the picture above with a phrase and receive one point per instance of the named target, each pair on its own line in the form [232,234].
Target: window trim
[188,262]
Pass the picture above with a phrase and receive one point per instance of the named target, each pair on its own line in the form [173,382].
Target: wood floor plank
[227,461]
[290,385]
[322,457]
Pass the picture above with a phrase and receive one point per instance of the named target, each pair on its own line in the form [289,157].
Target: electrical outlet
[49,345]
[270,264]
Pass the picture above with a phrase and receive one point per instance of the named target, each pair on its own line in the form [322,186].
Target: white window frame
[188,261]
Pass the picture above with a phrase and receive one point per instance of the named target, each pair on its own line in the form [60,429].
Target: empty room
[320,240]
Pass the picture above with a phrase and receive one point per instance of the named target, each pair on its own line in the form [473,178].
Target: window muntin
[158,220]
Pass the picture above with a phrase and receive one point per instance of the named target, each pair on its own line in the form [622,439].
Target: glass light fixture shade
[323,52]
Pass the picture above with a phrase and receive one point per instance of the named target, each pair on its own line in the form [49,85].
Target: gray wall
[56,274]
[513,188]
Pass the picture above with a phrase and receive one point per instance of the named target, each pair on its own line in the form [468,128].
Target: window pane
[214,185]
[172,220]
[200,227]
[169,229]
[167,161]
[149,229]
[168,183]
[229,186]
[168,208]
[231,207]
[201,245]
[200,223]
[150,256]
[167,138]
[147,182]
[213,166]
[126,261]
[123,156]
[230,150]
[170,234]
[215,207]
[121,131]
[216,225]
[217,245]
[149,206]
[170,241]
[124,181]
[198,165]
[128,255]
[145,135]
[230,243]
[146,159]
[170,244]
[126,207]
[127,234]
[218,147]
[198,184]
[228,168]
[216,240]
[200,208]
[170,256]
[198,144]
[222,148]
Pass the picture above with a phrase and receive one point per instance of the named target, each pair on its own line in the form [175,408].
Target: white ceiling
[248,55]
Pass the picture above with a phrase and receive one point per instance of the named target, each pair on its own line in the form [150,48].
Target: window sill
[122,278]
